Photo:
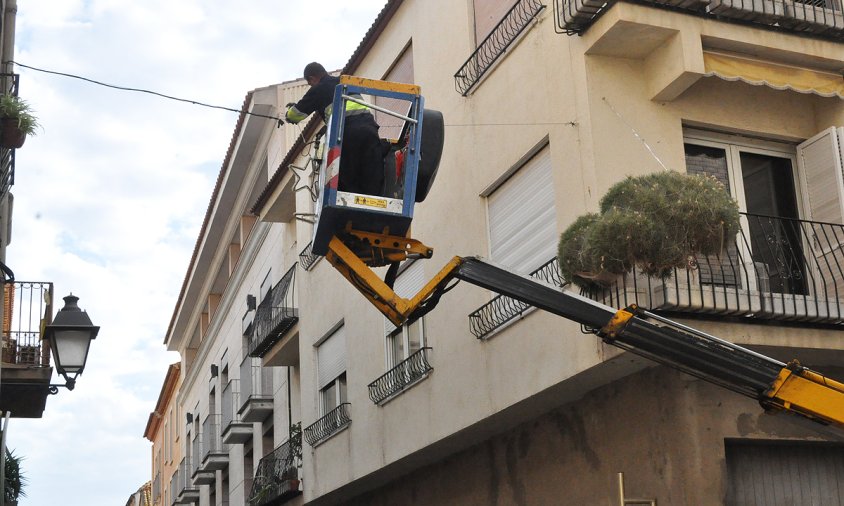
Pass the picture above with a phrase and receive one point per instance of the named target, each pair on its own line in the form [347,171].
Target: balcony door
[762,177]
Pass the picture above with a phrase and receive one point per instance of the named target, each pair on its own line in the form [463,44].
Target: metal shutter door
[408,284]
[819,161]
[488,13]
[784,474]
[402,72]
[331,357]
[522,217]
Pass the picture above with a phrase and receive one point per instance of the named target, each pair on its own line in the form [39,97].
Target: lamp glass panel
[71,349]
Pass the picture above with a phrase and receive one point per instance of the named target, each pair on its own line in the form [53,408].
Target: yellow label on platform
[371,202]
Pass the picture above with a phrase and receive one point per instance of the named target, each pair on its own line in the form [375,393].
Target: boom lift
[357,232]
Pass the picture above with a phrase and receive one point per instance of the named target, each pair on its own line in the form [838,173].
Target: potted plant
[16,121]
[655,223]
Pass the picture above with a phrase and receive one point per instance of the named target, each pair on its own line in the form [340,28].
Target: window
[410,338]
[400,72]
[488,13]
[774,242]
[331,370]
[522,215]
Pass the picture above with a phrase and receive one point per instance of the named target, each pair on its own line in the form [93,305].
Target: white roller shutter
[522,217]
[408,284]
[820,162]
[331,357]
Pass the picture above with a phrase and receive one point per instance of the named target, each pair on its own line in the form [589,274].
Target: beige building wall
[612,103]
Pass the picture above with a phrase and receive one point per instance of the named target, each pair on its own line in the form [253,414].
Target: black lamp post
[70,337]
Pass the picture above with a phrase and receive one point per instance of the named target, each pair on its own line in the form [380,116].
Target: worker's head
[314,72]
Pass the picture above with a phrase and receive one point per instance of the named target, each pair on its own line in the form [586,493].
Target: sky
[110,195]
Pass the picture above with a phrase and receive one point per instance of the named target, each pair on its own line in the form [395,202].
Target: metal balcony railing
[777,269]
[196,454]
[184,484]
[173,487]
[823,18]
[7,156]
[256,382]
[211,439]
[277,475]
[307,258]
[495,44]
[406,373]
[28,307]
[230,404]
[501,309]
[328,425]
[275,315]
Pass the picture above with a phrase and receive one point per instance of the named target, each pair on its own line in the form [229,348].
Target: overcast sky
[110,196]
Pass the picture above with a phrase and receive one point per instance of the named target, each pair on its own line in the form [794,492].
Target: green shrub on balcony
[656,223]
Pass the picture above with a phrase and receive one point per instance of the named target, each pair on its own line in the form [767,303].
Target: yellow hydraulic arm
[777,386]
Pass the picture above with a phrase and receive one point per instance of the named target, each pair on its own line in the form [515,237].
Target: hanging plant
[17,121]
[655,223]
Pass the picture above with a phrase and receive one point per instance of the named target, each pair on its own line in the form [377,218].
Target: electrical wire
[140,90]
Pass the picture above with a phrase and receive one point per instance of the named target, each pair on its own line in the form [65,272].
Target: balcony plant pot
[17,121]
[9,351]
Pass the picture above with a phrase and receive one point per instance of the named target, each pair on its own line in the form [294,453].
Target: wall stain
[512,463]
[573,429]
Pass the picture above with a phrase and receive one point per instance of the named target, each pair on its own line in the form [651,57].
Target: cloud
[110,196]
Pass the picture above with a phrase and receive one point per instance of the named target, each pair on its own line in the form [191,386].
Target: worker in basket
[362,156]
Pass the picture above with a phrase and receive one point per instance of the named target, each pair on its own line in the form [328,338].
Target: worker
[362,155]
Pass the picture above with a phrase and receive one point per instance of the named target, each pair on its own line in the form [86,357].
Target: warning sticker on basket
[371,202]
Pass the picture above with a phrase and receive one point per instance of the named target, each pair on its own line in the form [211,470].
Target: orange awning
[775,75]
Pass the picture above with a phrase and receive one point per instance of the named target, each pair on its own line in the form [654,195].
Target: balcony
[307,258]
[256,384]
[214,456]
[333,422]
[274,318]
[183,490]
[235,431]
[493,315]
[776,270]
[495,45]
[822,18]
[26,360]
[401,377]
[277,477]
[7,156]
[198,474]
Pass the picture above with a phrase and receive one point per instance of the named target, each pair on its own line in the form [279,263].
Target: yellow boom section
[808,393]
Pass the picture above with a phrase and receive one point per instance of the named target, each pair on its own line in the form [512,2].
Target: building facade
[486,400]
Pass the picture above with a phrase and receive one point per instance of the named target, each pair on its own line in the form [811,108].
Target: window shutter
[488,13]
[522,217]
[408,284]
[819,161]
[331,357]
[401,72]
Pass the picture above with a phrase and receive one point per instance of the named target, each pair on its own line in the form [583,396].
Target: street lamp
[70,336]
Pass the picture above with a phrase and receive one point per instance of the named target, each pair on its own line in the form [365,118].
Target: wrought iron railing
[211,438]
[495,44]
[256,382]
[328,425]
[307,258]
[174,486]
[275,315]
[501,309]
[776,269]
[819,17]
[406,373]
[277,475]
[7,156]
[28,306]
